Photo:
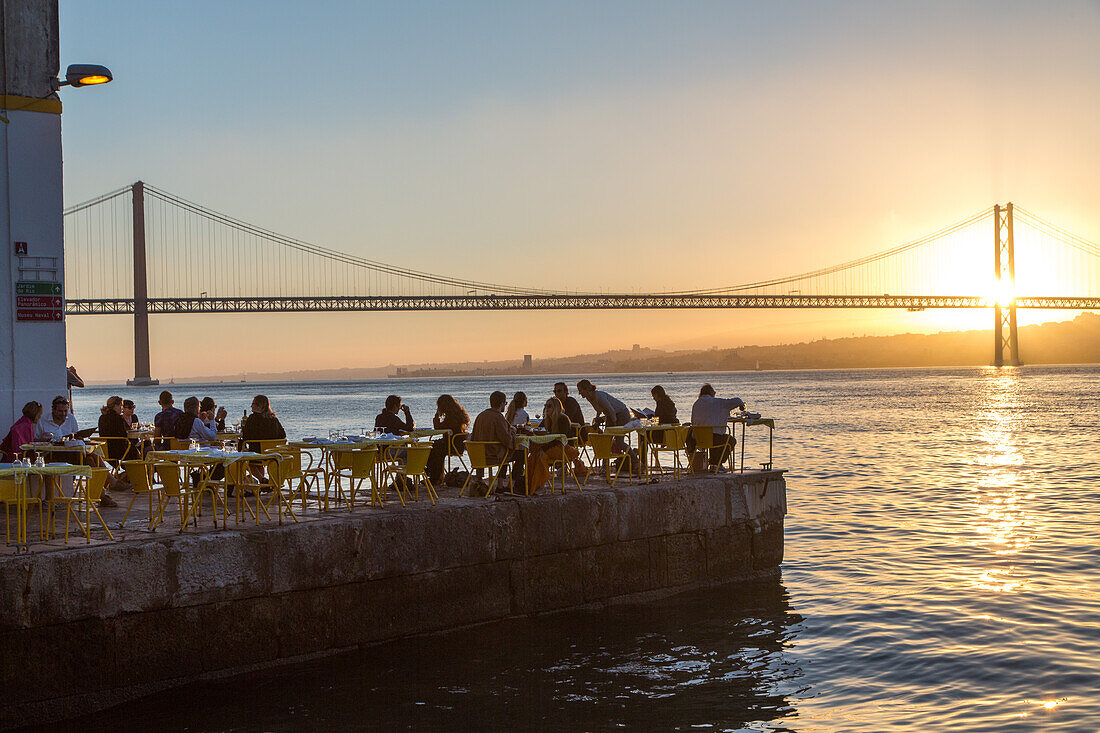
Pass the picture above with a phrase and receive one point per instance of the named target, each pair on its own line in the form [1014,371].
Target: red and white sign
[38,314]
[38,301]
[21,248]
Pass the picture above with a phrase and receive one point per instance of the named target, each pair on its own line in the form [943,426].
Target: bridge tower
[141,295]
[1004,271]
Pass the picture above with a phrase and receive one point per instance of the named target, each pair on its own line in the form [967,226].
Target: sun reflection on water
[1004,522]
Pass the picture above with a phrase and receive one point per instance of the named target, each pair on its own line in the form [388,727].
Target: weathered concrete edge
[551,553]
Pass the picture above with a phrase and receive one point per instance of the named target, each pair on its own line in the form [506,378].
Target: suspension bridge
[140,250]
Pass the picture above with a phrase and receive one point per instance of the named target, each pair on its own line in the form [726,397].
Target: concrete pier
[83,628]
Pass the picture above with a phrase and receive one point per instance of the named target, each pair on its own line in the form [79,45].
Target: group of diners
[199,420]
[500,424]
[504,420]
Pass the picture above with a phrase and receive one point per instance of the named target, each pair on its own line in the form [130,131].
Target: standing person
[449,415]
[614,412]
[21,433]
[164,422]
[60,423]
[516,414]
[209,406]
[389,421]
[195,424]
[713,412]
[492,426]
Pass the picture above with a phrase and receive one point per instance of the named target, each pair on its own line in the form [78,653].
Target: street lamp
[83,75]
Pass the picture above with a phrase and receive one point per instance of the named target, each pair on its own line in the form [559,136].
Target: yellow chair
[263,446]
[602,450]
[140,476]
[704,440]
[453,452]
[279,467]
[127,448]
[291,471]
[477,450]
[170,488]
[673,440]
[358,465]
[15,494]
[415,466]
[86,492]
[209,487]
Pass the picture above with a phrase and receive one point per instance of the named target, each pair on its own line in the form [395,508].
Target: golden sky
[627,147]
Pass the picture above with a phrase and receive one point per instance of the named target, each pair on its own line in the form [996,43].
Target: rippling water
[942,573]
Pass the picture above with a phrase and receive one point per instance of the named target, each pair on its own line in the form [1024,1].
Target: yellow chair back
[137,473]
[675,438]
[169,475]
[291,463]
[7,489]
[704,436]
[477,450]
[601,444]
[237,473]
[416,459]
[93,489]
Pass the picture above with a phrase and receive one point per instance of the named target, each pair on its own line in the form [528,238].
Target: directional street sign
[39,301]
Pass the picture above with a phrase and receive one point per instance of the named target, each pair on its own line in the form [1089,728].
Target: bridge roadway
[124,306]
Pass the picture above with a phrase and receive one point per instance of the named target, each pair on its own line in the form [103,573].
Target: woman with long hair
[516,415]
[449,415]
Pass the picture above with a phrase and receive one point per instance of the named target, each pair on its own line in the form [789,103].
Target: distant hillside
[1065,342]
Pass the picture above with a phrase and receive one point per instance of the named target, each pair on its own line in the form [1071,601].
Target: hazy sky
[610,146]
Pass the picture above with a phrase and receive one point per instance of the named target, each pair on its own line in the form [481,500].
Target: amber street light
[83,75]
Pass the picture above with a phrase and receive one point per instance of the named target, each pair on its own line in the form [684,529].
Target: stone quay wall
[85,628]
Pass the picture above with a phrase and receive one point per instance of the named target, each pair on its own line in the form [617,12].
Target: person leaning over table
[714,412]
[194,424]
[492,426]
[614,413]
[211,408]
[60,423]
[449,415]
[389,421]
[21,433]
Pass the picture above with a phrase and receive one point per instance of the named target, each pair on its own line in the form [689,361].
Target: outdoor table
[204,460]
[749,421]
[525,441]
[79,449]
[50,473]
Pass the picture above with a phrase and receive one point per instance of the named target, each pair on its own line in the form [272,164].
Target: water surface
[942,573]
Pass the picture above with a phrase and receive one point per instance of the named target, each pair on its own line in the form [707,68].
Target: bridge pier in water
[142,370]
[1004,269]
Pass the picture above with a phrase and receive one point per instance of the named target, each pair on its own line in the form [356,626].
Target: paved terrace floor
[136,529]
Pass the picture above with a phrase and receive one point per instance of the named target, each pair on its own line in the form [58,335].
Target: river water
[942,572]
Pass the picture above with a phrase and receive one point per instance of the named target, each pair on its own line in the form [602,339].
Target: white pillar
[32,347]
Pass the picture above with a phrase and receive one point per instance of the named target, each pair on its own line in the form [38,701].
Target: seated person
[516,414]
[194,424]
[569,405]
[491,426]
[711,411]
[389,421]
[164,422]
[665,414]
[128,414]
[541,455]
[113,425]
[449,415]
[60,423]
[260,425]
[209,406]
[21,433]
[554,419]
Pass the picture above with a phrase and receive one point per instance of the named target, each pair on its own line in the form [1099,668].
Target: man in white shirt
[711,411]
[59,423]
